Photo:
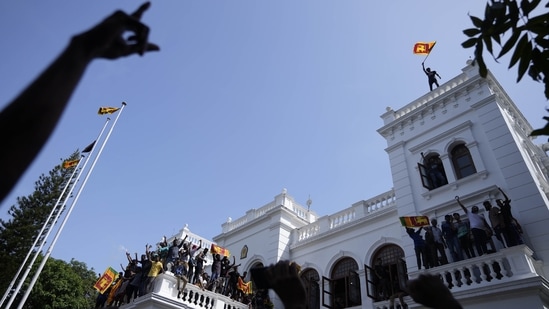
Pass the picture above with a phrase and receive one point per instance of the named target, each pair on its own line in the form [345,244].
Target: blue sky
[244,99]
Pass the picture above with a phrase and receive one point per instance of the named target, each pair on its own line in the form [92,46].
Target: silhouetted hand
[430,291]
[48,94]
[283,277]
[106,40]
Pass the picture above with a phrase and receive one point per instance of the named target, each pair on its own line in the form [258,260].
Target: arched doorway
[260,296]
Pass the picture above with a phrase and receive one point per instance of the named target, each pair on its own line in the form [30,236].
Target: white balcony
[480,279]
[164,296]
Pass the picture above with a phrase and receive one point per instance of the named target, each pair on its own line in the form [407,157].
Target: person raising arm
[27,122]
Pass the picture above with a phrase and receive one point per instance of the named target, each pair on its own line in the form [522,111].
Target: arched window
[342,290]
[260,286]
[311,280]
[391,265]
[462,161]
[432,171]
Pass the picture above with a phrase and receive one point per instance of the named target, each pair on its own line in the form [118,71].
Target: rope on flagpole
[50,249]
[25,275]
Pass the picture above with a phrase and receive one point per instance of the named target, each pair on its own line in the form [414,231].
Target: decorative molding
[452,132]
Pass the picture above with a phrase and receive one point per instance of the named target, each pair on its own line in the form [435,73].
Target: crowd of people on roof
[183,260]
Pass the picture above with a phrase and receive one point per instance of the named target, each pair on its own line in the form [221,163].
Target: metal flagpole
[48,253]
[38,237]
[29,267]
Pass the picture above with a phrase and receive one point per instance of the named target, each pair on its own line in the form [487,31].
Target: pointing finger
[139,12]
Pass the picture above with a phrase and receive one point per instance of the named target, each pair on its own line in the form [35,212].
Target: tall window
[462,161]
[389,276]
[342,290]
[432,171]
[311,280]
[260,297]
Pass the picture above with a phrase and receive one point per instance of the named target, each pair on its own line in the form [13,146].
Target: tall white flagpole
[48,253]
[37,253]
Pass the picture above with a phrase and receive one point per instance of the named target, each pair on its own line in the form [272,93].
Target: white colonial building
[476,132]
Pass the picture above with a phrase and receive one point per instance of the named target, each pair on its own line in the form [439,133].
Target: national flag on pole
[415,221]
[423,48]
[246,288]
[215,249]
[105,281]
[70,163]
[89,147]
[107,110]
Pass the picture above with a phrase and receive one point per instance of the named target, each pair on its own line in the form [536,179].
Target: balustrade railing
[165,292]
[346,216]
[507,265]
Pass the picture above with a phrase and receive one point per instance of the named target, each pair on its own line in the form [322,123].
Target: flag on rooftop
[414,221]
[423,48]
[106,279]
[107,110]
[70,163]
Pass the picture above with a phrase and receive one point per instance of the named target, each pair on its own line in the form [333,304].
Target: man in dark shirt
[431,75]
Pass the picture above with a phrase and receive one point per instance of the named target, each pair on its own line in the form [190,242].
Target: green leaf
[524,61]
[470,43]
[537,62]
[514,12]
[540,21]
[488,42]
[502,28]
[476,21]
[518,50]
[533,72]
[509,44]
[471,32]
[527,6]
[496,38]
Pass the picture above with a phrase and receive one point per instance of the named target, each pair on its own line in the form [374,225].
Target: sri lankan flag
[215,249]
[246,288]
[105,281]
[107,110]
[415,221]
[70,163]
[423,48]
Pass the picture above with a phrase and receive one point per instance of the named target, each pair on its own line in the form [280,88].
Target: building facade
[480,143]
[465,139]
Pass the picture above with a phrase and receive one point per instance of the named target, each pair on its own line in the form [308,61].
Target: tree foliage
[529,36]
[61,284]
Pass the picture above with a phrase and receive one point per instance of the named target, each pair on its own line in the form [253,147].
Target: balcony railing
[348,216]
[505,266]
[165,293]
